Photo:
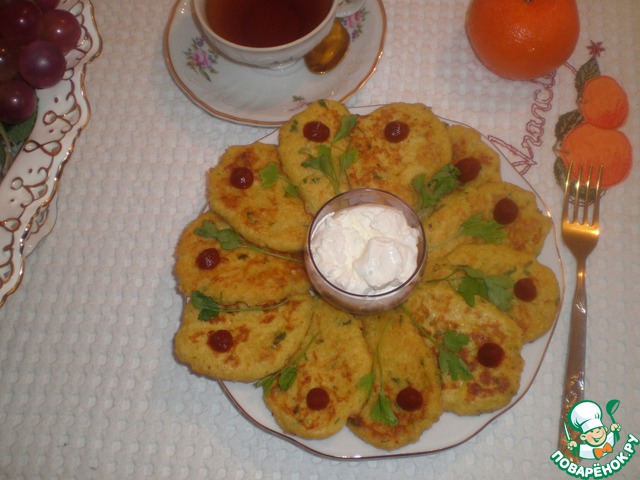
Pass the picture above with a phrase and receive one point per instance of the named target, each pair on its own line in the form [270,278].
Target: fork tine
[565,201]
[576,195]
[587,189]
[596,200]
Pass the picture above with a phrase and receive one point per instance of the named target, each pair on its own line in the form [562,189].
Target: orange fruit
[591,145]
[522,39]
[604,103]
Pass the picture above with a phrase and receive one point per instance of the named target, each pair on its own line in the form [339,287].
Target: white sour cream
[366,249]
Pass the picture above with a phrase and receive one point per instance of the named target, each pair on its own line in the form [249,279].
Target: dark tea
[265,23]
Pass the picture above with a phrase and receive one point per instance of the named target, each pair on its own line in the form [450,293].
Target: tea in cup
[265,33]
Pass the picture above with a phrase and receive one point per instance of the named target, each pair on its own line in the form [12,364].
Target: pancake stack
[250,314]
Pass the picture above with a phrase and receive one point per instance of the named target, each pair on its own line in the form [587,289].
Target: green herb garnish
[210,308]
[270,174]
[469,283]
[324,162]
[448,358]
[285,376]
[497,289]
[381,410]
[230,240]
[430,192]
[489,231]
[347,123]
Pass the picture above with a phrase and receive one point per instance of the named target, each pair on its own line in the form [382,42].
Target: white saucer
[262,97]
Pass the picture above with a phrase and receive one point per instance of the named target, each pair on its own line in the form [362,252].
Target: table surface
[89,387]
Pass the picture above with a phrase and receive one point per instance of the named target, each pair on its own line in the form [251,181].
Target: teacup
[269,34]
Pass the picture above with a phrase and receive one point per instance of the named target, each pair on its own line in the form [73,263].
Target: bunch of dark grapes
[35,36]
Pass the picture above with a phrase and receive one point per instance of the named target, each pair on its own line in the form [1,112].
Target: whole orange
[522,39]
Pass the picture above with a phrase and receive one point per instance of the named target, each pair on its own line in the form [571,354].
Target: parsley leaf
[452,364]
[448,359]
[381,410]
[347,122]
[230,240]
[287,375]
[497,289]
[367,381]
[454,341]
[347,159]
[323,161]
[270,174]
[471,286]
[488,230]
[210,308]
[429,193]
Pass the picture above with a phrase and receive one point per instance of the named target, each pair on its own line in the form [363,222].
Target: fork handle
[574,380]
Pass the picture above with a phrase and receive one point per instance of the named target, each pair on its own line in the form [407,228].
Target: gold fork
[580,233]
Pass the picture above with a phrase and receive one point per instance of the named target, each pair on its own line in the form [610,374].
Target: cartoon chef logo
[596,440]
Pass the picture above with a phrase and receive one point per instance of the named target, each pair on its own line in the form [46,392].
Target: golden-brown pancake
[392,166]
[268,217]
[242,275]
[492,353]
[262,341]
[527,232]
[333,358]
[295,149]
[536,293]
[406,369]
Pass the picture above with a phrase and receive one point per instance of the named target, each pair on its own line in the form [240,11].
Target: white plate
[262,97]
[450,430]
[27,192]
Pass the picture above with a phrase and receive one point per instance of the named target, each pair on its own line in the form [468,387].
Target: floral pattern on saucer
[201,58]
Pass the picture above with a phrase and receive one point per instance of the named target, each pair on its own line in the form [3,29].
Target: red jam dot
[490,355]
[525,290]
[469,168]
[241,177]
[208,259]
[316,131]
[220,340]
[396,131]
[505,211]
[409,399]
[317,398]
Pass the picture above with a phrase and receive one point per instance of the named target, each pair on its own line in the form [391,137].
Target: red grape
[62,29]
[42,64]
[17,101]
[46,5]
[20,22]
[8,60]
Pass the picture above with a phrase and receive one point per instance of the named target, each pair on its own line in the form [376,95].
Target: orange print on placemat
[590,135]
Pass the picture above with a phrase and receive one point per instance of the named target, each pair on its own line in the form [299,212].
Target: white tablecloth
[89,387]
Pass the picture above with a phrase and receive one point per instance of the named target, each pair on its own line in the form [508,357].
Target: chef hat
[585,416]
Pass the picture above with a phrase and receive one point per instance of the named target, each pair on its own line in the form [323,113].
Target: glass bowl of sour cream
[365,251]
